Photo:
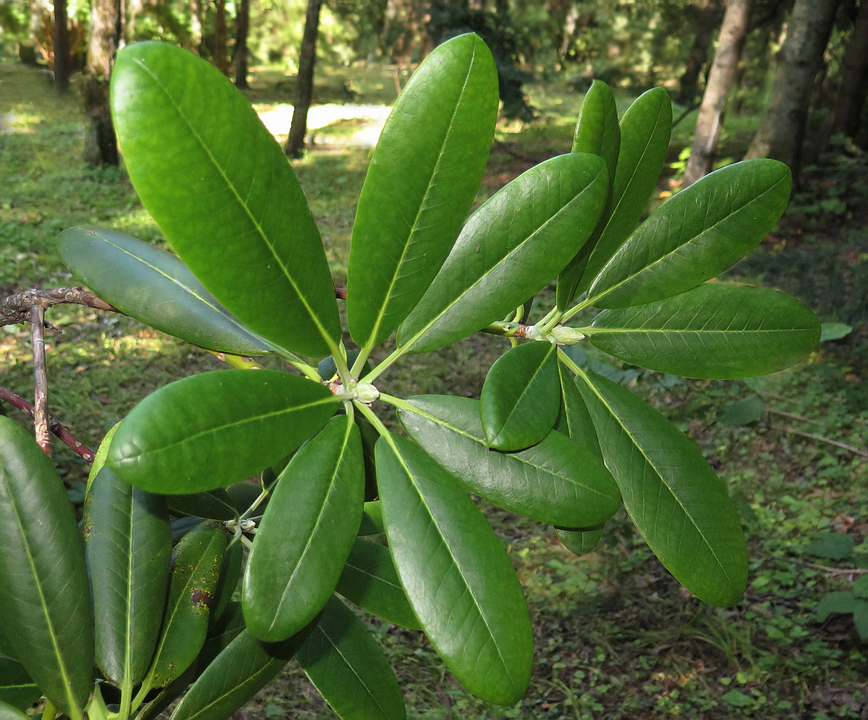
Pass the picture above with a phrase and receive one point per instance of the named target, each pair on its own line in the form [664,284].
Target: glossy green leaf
[671,493]
[521,397]
[459,579]
[230,574]
[509,249]
[215,428]
[717,330]
[644,130]
[743,412]
[597,132]
[349,669]
[306,534]
[100,456]
[422,180]
[8,712]
[16,686]
[128,546]
[235,676]
[696,235]
[370,580]
[372,519]
[44,593]
[574,420]
[155,287]
[556,481]
[224,195]
[214,504]
[195,569]
[580,541]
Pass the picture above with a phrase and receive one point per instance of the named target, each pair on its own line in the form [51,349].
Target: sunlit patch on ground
[277,119]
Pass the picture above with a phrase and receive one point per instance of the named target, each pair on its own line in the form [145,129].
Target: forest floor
[616,636]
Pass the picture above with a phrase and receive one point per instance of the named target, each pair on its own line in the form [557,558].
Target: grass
[616,636]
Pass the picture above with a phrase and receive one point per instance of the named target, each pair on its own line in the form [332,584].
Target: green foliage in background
[550,439]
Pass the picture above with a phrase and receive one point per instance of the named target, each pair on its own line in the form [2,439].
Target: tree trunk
[306,63]
[242,26]
[782,126]
[60,41]
[196,31]
[704,18]
[106,31]
[221,38]
[720,80]
[854,78]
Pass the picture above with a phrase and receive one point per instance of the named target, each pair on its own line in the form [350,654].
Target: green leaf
[235,676]
[306,534]
[128,546]
[644,131]
[370,580]
[216,428]
[521,397]
[459,579]
[831,545]
[697,234]
[155,287]
[556,481]
[670,492]
[372,519]
[860,587]
[509,249]
[737,698]
[597,132]
[860,618]
[8,712]
[348,667]
[574,420]
[195,570]
[744,412]
[224,195]
[835,331]
[717,330]
[214,504]
[16,686]
[842,603]
[422,180]
[580,541]
[230,574]
[44,592]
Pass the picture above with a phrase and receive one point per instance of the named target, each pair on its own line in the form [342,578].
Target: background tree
[723,71]
[854,78]
[705,16]
[304,89]
[242,26]
[106,31]
[60,40]
[782,126]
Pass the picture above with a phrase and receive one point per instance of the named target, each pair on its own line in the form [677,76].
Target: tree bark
[723,71]
[304,90]
[854,78]
[782,126]
[242,27]
[221,38]
[705,17]
[106,31]
[60,41]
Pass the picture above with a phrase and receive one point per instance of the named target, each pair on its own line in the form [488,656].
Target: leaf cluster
[170,502]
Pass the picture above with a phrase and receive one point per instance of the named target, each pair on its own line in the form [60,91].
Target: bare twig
[40,392]
[15,309]
[819,438]
[793,416]
[59,430]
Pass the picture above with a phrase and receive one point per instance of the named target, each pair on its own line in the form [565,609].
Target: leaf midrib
[243,205]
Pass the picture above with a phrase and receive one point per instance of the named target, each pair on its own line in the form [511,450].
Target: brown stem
[820,438]
[40,392]
[78,447]
[15,309]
